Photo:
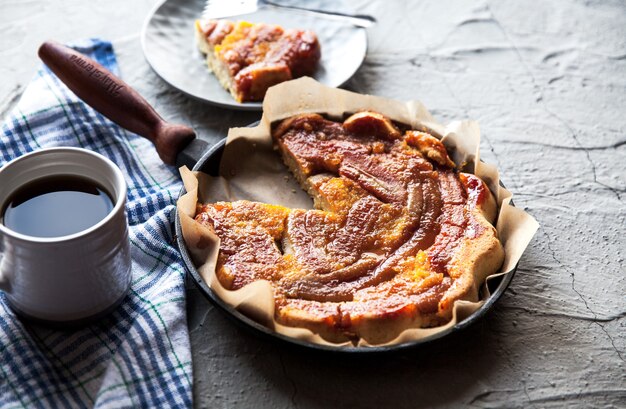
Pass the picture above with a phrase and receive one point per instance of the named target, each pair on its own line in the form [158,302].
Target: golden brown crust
[398,238]
[249,58]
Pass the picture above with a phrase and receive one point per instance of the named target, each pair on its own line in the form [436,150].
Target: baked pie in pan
[397,235]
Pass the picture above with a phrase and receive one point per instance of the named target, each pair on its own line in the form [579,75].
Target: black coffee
[56,206]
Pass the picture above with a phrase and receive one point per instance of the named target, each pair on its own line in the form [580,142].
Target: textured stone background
[547,82]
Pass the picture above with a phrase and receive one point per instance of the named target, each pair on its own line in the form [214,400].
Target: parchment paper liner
[252,170]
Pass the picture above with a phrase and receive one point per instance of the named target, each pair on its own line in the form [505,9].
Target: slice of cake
[249,58]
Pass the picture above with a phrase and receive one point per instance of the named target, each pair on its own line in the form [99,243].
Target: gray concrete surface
[547,81]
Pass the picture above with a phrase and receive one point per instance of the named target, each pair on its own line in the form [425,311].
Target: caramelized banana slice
[430,147]
[371,124]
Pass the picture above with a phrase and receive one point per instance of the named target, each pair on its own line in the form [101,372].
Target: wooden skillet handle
[114,99]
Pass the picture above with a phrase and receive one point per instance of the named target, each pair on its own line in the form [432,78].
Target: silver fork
[215,9]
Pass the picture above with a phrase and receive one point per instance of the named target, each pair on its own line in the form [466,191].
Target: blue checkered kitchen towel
[138,356]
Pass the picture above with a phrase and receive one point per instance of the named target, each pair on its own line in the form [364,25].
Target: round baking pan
[209,163]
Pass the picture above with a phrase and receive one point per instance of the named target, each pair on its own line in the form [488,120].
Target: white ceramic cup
[68,279]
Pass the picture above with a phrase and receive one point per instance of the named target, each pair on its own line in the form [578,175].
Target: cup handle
[5,284]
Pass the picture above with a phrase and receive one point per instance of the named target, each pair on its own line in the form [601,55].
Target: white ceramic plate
[169,46]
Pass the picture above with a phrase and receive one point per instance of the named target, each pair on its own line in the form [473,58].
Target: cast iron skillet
[209,163]
[177,144]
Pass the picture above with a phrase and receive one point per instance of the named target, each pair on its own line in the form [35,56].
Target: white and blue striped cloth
[138,356]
